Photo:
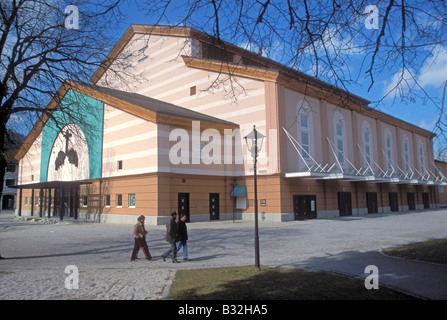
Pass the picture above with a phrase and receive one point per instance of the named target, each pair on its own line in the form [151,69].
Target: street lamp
[252,144]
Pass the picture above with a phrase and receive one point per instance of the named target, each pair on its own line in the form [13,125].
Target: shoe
[149,259]
[186,259]
[132,260]
[175,261]
[164,258]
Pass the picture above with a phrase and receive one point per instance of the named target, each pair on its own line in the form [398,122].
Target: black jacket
[182,231]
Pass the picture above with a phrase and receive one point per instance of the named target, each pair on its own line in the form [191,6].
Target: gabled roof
[288,76]
[153,110]
[263,69]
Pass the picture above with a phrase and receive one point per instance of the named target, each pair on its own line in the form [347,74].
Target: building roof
[262,68]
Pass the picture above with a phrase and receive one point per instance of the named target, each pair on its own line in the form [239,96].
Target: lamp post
[252,144]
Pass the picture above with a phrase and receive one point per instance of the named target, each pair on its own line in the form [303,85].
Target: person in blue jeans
[182,236]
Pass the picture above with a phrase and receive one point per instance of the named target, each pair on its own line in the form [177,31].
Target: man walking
[182,238]
[171,237]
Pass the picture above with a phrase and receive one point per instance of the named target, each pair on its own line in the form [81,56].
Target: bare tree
[42,44]
[323,37]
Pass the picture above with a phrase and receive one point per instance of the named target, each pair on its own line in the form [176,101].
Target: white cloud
[434,70]
[401,83]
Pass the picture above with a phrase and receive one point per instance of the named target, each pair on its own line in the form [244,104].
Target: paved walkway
[37,255]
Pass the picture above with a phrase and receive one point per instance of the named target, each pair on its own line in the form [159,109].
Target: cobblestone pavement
[37,255]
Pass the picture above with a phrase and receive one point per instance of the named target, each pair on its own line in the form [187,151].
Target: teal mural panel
[84,111]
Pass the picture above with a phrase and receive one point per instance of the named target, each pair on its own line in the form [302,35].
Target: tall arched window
[421,157]
[406,149]
[366,129]
[305,130]
[340,134]
[389,149]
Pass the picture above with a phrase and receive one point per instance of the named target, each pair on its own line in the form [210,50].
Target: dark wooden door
[344,204]
[394,202]
[183,204]
[411,201]
[305,207]
[214,206]
[426,200]
[371,202]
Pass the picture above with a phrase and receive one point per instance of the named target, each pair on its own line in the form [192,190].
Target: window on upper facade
[421,157]
[407,154]
[389,150]
[367,144]
[215,53]
[304,121]
[340,137]
[11,168]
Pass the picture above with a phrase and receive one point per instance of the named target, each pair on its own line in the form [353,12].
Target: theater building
[161,128]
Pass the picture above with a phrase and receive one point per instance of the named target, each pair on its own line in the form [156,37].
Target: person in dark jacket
[139,233]
[171,237]
[182,232]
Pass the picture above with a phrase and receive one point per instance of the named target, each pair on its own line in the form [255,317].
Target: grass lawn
[243,283]
[430,251]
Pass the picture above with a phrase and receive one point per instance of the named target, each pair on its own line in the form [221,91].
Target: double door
[305,207]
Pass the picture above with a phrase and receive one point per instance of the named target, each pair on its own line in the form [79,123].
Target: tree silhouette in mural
[71,154]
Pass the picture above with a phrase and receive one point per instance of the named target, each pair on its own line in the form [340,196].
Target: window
[367,143]
[340,137]
[192,90]
[389,149]
[84,201]
[143,49]
[215,53]
[119,200]
[26,201]
[127,57]
[107,200]
[421,157]
[304,121]
[406,154]
[305,135]
[119,164]
[11,168]
[132,200]
[10,182]
[143,59]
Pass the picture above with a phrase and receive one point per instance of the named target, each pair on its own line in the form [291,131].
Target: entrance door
[411,201]
[394,203]
[371,202]
[305,207]
[183,205]
[426,200]
[214,206]
[344,204]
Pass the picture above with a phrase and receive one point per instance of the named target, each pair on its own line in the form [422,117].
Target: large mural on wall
[72,140]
